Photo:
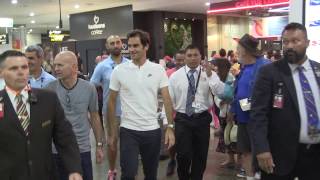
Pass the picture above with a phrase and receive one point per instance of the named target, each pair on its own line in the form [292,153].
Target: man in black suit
[29,120]
[285,112]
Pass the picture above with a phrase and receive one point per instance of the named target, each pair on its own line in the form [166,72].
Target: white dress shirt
[308,72]
[12,95]
[178,88]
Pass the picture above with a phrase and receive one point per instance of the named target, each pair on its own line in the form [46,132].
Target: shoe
[112,175]
[241,173]
[171,167]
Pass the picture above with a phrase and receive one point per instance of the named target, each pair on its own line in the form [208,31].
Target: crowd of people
[267,108]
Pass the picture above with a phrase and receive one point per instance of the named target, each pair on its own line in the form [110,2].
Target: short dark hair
[222,52]
[191,46]
[295,26]
[179,52]
[10,53]
[144,36]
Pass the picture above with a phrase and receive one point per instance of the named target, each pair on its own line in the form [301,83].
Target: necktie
[22,113]
[312,114]
[191,93]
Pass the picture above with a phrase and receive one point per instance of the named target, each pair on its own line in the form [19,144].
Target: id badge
[1,110]
[196,106]
[278,101]
[245,104]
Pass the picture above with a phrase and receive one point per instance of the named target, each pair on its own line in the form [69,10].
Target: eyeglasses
[68,100]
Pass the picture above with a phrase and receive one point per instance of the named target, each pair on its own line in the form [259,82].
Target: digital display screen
[312,23]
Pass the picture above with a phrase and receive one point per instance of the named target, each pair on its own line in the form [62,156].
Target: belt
[194,115]
[309,146]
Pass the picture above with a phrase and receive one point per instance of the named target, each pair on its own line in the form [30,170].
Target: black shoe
[171,167]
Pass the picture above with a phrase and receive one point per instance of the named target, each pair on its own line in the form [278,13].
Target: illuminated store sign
[96,28]
[312,23]
[244,5]
[57,36]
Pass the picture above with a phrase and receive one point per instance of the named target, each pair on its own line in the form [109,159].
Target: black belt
[194,115]
[309,146]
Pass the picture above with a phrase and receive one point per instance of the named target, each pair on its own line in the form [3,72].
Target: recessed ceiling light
[30,30]
[31,14]
[68,16]
[77,6]
[207,3]
[57,27]
[14,1]
[33,21]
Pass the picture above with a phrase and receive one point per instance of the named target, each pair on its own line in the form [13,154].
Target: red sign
[244,5]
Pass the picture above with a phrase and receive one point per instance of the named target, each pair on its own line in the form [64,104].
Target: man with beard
[101,77]
[285,113]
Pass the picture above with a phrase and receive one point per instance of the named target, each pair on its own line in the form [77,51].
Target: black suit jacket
[30,158]
[276,130]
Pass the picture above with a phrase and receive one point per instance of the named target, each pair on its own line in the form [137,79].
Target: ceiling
[47,11]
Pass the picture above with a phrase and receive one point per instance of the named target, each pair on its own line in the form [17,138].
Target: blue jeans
[86,165]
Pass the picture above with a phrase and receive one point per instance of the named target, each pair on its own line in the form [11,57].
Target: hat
[230,133]
[250,43]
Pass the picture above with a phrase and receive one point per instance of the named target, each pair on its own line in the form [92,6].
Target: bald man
[78,99]
[101,77]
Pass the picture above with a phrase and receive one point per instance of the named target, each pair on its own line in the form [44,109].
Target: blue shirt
[244,87]
[101,76]
[42,81]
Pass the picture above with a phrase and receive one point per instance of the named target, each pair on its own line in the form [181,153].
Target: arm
[169,136]
[258,124]
[98,134]
[96,76]
[111,118]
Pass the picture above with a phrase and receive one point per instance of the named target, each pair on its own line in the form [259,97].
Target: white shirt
[178,88]
[2,84]
[138,89]
[308,72]
[12,95]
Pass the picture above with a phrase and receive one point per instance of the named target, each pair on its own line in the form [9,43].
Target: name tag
[196,106]
[278,101]
[245,104]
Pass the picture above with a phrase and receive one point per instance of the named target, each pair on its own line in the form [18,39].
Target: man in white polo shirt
[137,83]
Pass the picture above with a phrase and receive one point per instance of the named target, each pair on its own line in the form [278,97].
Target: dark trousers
[192,142]
[86,165]
[145,143]
[306,166]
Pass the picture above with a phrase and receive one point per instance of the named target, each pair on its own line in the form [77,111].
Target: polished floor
[213,171]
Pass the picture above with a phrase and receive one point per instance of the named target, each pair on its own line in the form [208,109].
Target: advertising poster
[312,23]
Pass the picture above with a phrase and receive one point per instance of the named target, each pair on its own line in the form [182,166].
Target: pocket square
[46,123]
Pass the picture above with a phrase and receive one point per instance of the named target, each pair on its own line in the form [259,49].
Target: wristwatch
[170,126]
[99,144]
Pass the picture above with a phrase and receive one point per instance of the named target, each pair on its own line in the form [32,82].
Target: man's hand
[75,176]
[207,67]
[265,162]
[111,142]
[99,155]
[169,138]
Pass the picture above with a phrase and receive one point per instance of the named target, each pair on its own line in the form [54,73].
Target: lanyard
[189,81]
